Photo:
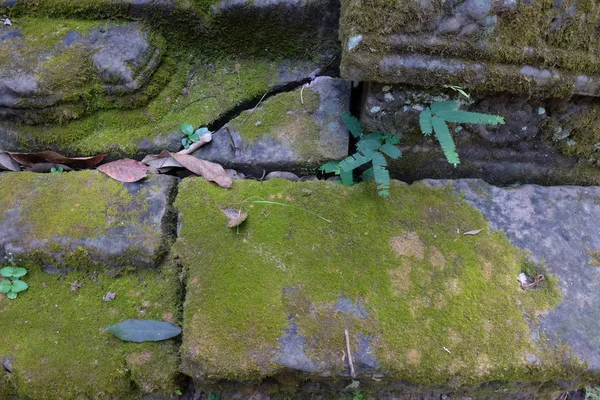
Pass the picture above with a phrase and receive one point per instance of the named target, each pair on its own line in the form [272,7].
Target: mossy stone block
[529,47]
[85,220]
[55,346]
[422,302]
[295,130]
[542,141]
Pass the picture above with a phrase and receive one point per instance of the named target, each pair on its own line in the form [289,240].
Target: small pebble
[283,175]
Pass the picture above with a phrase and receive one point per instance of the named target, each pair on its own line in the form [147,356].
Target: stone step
[429,304]
[57,348]
[495,46]
[85,220]
[542,141]
[293,131]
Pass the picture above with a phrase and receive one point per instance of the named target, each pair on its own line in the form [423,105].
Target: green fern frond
[353,124]
[330,167]
[368,174]
[352,162]
[440,106]
[381,174]
[391,138]
[466,117]
[347,178]
[442,133]
[391,151]
[425,122]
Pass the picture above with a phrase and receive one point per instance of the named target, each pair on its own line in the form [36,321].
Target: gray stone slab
[85,220]
[560,227]
[295,131]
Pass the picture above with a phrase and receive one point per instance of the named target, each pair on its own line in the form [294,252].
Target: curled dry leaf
[236,217]
[29,159]
[206,138]
[125,170]
[209,170]
[162,162]
[8,164]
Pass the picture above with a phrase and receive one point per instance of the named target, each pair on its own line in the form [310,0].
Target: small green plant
[11,285]
[58,170]
[191,136]
[433,119]
[592,393]
[359,395]
[371,148]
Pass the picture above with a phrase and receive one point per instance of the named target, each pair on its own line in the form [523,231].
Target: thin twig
[352,373]
[209,96]
[302,98]
[255,107]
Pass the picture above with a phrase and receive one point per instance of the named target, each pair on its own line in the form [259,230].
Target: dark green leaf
[330,167]
[391,138]
[18,286]
[365,145]
[5,286]
[446,142]
[347,178]
[187,129]
[425,122]
[368,174]
[391,150]
[381,174]
[466,117]
[444,106]
[353,124]
[135,330]
[352,162]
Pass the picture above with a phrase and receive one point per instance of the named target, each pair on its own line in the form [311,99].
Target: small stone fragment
[109,296]
[282,175]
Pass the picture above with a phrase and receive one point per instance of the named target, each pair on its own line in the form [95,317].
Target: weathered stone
[84,220]
[530,47]
[558,226]
[58,349]
[292,131]
[60,73]
[542,141]
[427,308]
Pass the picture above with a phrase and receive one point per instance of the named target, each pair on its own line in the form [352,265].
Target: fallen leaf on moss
[208,170]
[135,330]
[236,217]
[162,162]
[475,232]
[125,170]
[8,164]
[30,159]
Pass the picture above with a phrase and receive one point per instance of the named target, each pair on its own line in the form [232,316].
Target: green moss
[286,117]
[424,285]
[57,346]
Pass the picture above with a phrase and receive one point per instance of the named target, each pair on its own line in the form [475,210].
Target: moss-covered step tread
[423,303]
[85,220]
[54,346]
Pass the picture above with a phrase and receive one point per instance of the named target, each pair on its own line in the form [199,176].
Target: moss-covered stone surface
[291,130]
[539,47]
[55,347]
[421,301]
[542,141]
[85,220]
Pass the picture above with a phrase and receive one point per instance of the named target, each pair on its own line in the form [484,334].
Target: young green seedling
[12,285]
[191,136]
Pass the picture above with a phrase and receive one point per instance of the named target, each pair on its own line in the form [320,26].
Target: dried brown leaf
[236,217]
[161,161]
[7,163]
[29,159]
[209,170]
[125,170]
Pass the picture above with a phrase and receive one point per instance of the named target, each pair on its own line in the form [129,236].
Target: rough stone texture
[528,47]
[57,348]
[85,220]
[428,308]
[42,80]
[537,144]
[293,131]
[559,227]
